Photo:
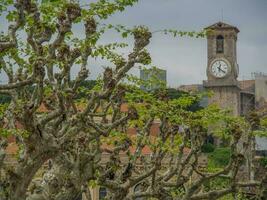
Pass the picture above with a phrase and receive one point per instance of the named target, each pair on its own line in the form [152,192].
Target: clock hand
[223,71]
[220,69]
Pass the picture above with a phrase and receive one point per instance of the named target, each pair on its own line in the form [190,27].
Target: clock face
[219,69]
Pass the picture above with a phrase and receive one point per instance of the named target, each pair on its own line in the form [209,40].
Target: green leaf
[124,34]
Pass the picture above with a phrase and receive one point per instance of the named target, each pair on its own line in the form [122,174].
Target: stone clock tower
[222,68]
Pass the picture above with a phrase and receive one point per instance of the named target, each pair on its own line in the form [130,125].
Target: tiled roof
[80,107]
[191,88]
[154,130]
[222,25]
[247,85]
[12,148]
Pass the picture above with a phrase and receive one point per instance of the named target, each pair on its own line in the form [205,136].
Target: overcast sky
[185,59]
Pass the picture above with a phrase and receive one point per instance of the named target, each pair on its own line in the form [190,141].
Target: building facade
[222,68]
[239,96]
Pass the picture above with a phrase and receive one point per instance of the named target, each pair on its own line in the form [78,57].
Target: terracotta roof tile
[154,130]
[247,85]
[12,148]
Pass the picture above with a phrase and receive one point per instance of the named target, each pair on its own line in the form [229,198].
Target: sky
[185,59]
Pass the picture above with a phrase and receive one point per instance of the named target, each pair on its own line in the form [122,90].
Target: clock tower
[222,67]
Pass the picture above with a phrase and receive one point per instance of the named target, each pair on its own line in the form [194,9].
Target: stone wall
[226,98]
[261,90]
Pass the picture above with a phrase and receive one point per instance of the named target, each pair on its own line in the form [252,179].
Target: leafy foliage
[147,138]
[219,157]
[263,162]
[4,99]
[208,148]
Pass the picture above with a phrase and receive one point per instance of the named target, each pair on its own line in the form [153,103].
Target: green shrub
[263,162]
[216,184]
[219,157]
[207,148]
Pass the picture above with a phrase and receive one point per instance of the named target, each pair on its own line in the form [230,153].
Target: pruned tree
[173,169]
[38,52]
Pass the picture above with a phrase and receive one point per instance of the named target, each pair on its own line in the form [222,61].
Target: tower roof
[222,25]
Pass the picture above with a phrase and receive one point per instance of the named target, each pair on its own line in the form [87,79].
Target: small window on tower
[219,44]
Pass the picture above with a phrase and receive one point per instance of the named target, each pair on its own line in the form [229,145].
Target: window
[102,193]
[219,44]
